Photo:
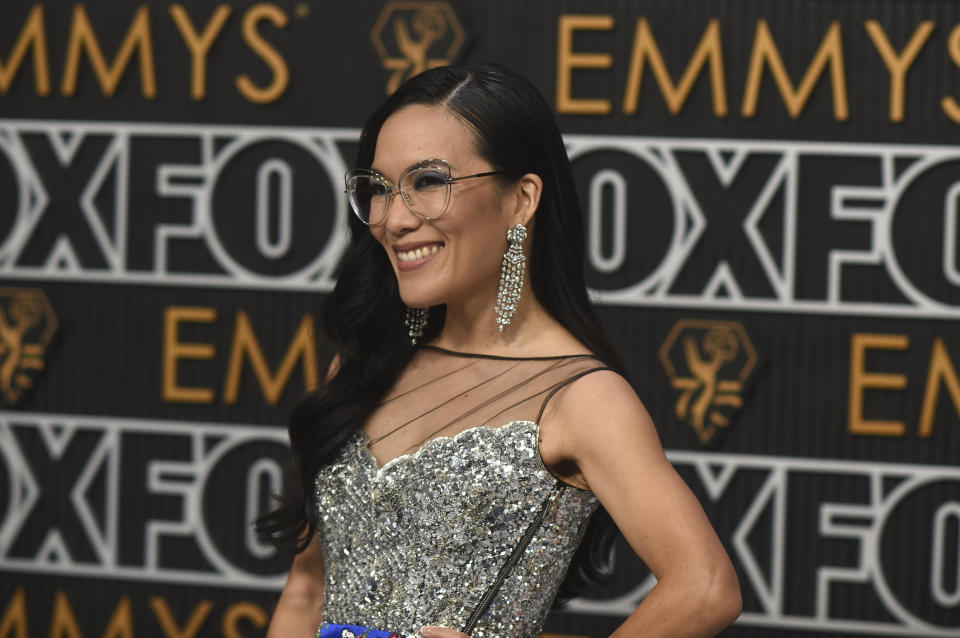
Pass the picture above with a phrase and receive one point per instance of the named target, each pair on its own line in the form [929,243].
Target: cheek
[484,228]
[378,235]
[484,250]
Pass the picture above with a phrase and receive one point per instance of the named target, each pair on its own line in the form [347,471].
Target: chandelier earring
[415,320]
[511,276]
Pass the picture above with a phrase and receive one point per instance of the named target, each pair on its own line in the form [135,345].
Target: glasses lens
[426,191]
[367,195]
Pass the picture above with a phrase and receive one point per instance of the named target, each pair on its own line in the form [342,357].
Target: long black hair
[516,133]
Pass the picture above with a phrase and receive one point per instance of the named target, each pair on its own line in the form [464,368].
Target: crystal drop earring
[511,276]
[415,320]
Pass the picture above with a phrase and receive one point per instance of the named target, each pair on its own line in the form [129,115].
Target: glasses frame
[393,189]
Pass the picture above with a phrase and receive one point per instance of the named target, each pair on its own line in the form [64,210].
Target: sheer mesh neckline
[457,353]
[442,393]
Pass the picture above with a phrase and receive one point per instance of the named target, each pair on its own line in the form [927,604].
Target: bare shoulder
[590,418]
[599,397]
[601,383]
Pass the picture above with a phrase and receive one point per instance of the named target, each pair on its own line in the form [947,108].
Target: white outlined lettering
[300,173]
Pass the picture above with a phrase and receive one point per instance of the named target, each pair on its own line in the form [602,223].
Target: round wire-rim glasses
[425,186]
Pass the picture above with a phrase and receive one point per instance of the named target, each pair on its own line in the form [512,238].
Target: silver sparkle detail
[415,319]
[417,541]
[511,276]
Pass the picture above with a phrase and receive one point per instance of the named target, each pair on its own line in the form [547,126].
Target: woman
[475,402]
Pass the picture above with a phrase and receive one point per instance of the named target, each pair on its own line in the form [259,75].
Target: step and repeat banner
[771,192]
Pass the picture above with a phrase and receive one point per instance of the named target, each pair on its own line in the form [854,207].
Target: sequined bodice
[419,540]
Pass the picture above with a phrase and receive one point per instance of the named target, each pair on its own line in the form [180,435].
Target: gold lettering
[199,44]
[245,342]
[898,65]
[765,51]
[645,46]
[281,74]
[169,625]
[941,371]
[83,38]
[567,61]
[861,380]
[949,103]
[242,611]
[63,623]
[14,623]
[121,623]
[33,35]
[174,351]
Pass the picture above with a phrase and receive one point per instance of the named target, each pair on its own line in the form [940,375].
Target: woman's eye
[429,179]
[375,188]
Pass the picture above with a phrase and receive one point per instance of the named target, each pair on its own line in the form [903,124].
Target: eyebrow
[417,164]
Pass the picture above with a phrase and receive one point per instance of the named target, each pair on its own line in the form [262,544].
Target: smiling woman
[476,438]
[464,223]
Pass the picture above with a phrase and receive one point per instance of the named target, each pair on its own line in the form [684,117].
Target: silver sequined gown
[418,540]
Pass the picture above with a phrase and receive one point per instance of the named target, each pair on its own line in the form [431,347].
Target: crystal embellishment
[415,319]
[418,540]
[511,276]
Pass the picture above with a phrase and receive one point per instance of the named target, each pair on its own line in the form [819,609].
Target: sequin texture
[417,541]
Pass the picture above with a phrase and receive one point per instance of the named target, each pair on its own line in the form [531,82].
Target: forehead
[417,132]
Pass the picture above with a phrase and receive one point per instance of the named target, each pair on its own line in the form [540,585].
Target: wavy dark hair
[516,133]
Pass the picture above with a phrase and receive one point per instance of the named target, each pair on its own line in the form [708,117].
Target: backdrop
[770,191]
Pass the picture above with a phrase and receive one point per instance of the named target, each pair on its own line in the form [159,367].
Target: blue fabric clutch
[330,630]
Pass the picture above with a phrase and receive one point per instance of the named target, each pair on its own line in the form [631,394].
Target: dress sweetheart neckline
[381,469]
[474,355]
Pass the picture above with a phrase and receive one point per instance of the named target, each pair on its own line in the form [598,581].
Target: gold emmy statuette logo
[27,324]
[411,37]
[709,362]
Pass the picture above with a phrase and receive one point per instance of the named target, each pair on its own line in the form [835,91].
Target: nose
[398,218]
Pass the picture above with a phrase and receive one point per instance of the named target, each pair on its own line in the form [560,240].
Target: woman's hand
[431,631]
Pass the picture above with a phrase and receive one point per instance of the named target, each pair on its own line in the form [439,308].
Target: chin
[422,292]
[418,303]
[419,300]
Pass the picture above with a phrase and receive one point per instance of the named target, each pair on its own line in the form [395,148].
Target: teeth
[419,253]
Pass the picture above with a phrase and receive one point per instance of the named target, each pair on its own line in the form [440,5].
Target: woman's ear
[526,192]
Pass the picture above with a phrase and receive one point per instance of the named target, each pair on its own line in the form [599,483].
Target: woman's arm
[598,427]
[300,608]
[599,424]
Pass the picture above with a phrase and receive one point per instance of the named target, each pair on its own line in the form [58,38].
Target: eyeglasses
[424,188]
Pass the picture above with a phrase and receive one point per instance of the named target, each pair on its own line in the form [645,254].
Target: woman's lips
[414,257]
